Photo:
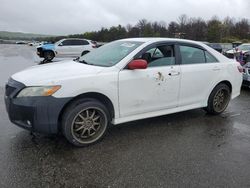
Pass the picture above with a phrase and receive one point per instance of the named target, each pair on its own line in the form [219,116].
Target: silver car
[246,75]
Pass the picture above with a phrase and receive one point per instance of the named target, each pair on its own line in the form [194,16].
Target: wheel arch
[90,95]
[228,83]
[210,108]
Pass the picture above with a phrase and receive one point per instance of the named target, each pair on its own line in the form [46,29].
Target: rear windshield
[110,54]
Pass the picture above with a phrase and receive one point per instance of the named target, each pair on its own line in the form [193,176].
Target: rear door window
[192,55]
[83,42]
[68,42]
[210,58]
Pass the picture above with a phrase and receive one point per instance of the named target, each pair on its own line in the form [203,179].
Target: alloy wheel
[88,125]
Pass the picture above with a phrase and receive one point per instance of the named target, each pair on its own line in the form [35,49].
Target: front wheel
[218,99]
[49,55]
[85,122]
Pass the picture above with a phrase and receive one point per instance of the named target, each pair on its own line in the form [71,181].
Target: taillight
[240,69]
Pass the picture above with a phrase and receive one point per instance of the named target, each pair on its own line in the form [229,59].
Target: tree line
[213,30]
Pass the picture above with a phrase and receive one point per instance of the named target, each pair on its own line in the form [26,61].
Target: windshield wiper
[76,59]
[85,62]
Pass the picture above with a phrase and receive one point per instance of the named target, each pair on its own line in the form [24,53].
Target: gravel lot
[188,149]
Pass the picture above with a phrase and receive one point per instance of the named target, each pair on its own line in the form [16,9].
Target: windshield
[244,47]
[110,54]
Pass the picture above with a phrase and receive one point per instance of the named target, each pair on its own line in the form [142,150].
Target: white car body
[72,50]
[139,94]
[70,47]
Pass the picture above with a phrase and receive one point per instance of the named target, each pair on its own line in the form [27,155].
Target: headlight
[38,91]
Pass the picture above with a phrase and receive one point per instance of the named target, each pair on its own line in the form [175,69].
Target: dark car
[216,46]
[236,44]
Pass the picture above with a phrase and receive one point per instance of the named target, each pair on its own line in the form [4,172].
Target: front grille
[9,90]
[39,50]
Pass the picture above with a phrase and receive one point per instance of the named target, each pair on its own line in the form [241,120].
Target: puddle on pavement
[229,114]
[242,128]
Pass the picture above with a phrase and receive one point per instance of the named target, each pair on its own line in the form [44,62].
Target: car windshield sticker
[128,45]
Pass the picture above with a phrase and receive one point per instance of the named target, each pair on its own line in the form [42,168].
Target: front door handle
[174,73]
[216,69]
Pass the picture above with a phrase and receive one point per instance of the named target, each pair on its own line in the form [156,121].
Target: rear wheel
[48,55]
[85,122]
[218,99]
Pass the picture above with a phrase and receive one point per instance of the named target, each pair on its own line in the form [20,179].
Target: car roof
[149,40]
[74,39]
[157,39]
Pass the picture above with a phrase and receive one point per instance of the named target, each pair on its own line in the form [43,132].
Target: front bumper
[37,114]
[39,52]
[246,77]
[246,83]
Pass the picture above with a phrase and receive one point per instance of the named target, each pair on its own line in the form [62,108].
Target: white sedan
[122,81]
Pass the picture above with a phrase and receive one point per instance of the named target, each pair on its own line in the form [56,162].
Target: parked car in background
[21,42]
[44,42]
[33,43]
[236,44]
[246,75]
[241,53]
[216,46]
[70,47]
[122,81]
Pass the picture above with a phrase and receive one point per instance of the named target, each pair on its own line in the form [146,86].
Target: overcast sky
[78,16]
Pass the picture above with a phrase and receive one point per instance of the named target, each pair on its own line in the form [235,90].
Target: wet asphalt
[187,149]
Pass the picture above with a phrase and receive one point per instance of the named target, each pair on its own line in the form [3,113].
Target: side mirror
[138,64]
[60,44]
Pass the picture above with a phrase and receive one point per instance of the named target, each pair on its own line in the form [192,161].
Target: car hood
[55,72]
[47,46]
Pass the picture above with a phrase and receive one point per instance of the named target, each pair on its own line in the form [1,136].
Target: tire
[84,52]
[85,122]
[218,99]
[48,55]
